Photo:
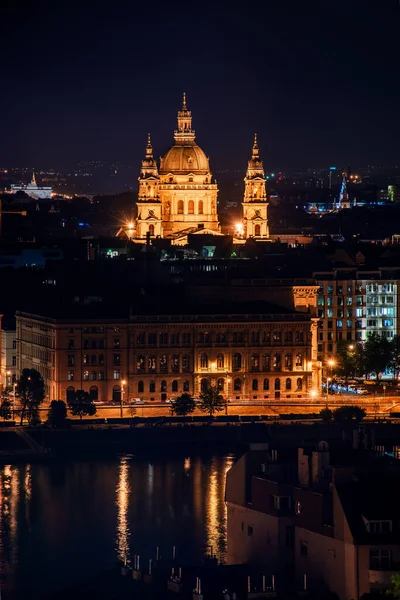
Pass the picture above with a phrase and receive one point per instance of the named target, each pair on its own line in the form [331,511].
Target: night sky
[318,80]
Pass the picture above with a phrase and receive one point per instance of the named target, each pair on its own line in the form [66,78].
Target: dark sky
[318,80]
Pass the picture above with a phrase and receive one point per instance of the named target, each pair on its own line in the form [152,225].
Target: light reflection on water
[65,521]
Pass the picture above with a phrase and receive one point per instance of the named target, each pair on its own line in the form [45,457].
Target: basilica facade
[178,196]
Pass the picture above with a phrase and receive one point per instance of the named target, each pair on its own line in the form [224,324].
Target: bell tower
[148,204]
[255,205]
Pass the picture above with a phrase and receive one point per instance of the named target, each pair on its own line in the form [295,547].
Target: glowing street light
[239,229]
[122,396]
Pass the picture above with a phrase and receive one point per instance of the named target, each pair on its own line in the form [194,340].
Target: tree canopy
[81,405]
[30,391]
[183,405]
[211,400]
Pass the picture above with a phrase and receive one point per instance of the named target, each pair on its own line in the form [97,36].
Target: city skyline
[301,77]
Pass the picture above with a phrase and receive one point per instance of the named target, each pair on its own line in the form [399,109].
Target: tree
[57,414]
[378,354]
[348,414]
[183,405]
[394,591]
[347,359]
[30,391]
[326,415]
[81,405]
[211,400]
[5,408]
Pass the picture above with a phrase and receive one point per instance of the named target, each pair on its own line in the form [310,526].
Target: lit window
[116,374]
[297,507]
[71,375]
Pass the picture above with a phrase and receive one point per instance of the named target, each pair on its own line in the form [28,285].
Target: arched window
[237,385]
[277,384]
[288,384]
[171,180]
[191,176]
[257,230]
[204,361]
[220,361]
[94,393]
[204,385]
[151,229]
[180,207]
[254,385]
[116,395]
[186,385]
[70,396]
[201,207]
[220,384]
[163,387]
[152,386]
[93,359]
[191,207]
[266,385]
[299,384]
[237,361]
[140,387]
[174,385]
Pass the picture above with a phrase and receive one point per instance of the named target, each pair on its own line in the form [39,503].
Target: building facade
[8,357]
[252,355]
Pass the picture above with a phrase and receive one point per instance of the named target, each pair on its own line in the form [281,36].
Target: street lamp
[8,373]
[122,396]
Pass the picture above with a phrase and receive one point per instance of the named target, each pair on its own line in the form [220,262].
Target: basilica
[178,196]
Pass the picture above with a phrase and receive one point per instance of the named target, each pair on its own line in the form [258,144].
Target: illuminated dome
[185,159]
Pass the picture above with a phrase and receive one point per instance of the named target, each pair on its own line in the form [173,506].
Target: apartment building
[324,529]
[352,304]
[250,351]
[8,359]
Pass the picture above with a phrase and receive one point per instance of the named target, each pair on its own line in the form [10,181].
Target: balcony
[383,577]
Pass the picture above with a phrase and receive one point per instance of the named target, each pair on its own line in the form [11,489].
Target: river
[62,522]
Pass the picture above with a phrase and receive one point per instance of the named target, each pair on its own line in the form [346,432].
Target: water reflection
[216,510]
[122,502]
[9,486]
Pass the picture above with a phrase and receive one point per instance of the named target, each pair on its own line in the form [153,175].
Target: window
[330,324]
[266,362]
[174,339]
[266,385]
[288,337]
[299,359]
[340,301]
[257,230]
[175,363]
[151,229]
[93,375]
[117,359]
[116,329]
[266,337]
[359,300]
[152,339]
[101,376]
[281,502]
[277,337]
[276,361]
[255,337]
[186,385]
[140,387]
[277,384]
[163,386]
[71,375]
[254,385]
[204,361]
[86,375]
[141,339]
[116,393]
[379,559]
[163,338]
[14,361]
[185,363]
[320,301]
[201,207]
[288,384]
[299,384]
[116,374]
[140,364]
[86,344]
[163,363]
[359,312]
[349,312]
[329,289]
[94,393]
[93,359]
[70,330]
[329,301]
[70,344]
[180,207]
[299,337]
[220,384]
[288,361]
[101,344]
[250,530]
[186,338]
[204,385]
[71,360]
[220,361]
[117,342]
[101,359]
[93,345]
[349,301]
[151,363]
[339,324]
[85,359]
[191,204]
[152,386]
[255,362]
[329,312]
[379,526]
[339,289]
[237,385]
[303,548]
[70,395]
[297,507]
[237,361]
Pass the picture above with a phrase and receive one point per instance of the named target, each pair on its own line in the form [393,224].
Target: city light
[239,228]
[313,393]
[331,362]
